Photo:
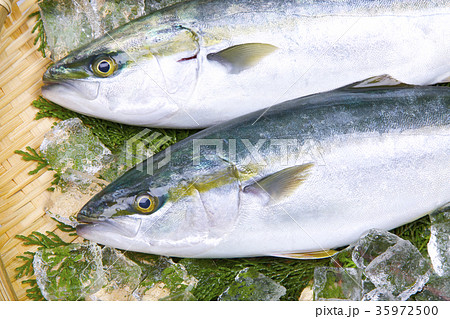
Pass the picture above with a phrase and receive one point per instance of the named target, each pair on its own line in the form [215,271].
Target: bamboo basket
[22,196]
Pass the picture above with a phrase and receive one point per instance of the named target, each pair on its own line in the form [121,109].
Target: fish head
[129,76]
[163,214]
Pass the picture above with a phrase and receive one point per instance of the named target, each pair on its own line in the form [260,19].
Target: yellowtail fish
[199,63]
[310,175]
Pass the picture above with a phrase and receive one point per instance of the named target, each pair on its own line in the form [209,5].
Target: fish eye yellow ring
[104,66]
[145,203]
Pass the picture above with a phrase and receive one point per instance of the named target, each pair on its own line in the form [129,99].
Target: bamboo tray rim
[21,195]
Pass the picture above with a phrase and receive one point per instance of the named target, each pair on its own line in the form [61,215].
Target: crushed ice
[392,269]
[251,285]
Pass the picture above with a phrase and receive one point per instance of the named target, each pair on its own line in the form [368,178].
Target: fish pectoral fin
[381,81]
[308,255]
[280,184]
[243,56]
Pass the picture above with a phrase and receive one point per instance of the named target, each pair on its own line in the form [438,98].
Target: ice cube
[371,245]
[77,156]
[441,215]
[336,283]
[163,279]
[367,286]
[64,203]
[372,293]
[122,275]
[400,270]
[436,289]
[379,295]
[70,24]
[71,147]
[439,248]
[252,285]
[394,266]
[69,272]
[439,244]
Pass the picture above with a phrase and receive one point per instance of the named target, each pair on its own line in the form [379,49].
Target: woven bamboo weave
[22,196]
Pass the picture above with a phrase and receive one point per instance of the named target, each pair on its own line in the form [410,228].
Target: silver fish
[199,63]
[310,175]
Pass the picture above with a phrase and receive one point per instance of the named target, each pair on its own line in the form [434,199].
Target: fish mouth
[91,228]
[58,89]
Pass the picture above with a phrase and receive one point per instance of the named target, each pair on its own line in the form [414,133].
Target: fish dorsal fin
[280,184]
[243,56]
[380,81]
[308,255]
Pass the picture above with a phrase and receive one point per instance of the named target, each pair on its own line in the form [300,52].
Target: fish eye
[146,203]
[104,66]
